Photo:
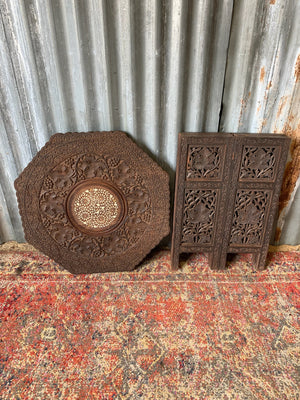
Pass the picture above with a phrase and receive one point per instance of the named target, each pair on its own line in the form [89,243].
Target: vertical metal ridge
[209,40]
[196,75]
[8,203]
[12,121]
[257,66]
[126,65]
[24,70]
[176,22]
[6,228]
[42,32]
[222,16]
[68,37]
[148,58]
[240,55]
[99,81]
[291,231]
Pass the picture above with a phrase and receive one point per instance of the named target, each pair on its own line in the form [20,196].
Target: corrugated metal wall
[151,68]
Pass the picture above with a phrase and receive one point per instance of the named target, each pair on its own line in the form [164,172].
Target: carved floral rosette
[259,163]
[251,208]
[62,179]
[199,216]
[205,162]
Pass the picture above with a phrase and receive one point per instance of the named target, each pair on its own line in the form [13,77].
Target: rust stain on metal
[244,103]
[292,170]
[282,104]
[269,85]
[277,234]
[297,69]
[262,74]
[262,125]
[272,2]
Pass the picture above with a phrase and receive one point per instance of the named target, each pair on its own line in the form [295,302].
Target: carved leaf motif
[258,163]
[198,216]
[204,162]
[251,207]
[65,176]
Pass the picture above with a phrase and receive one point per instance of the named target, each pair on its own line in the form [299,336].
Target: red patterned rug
[151,333]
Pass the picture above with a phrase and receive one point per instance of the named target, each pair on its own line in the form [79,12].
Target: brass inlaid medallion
[95,207]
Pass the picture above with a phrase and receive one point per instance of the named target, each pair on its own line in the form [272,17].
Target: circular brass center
[95,207]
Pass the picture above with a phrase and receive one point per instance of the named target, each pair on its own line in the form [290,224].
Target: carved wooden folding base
[226,195]
[91,201]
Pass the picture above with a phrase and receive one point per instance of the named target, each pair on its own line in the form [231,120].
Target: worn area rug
[151,333]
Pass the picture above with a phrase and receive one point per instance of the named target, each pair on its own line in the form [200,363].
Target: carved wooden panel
[205,162]
[226,194]
[199,215]
[250,211]
[259,163]
[90,201]
[113,192]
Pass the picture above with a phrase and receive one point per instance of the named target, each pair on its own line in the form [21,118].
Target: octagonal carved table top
[94,202]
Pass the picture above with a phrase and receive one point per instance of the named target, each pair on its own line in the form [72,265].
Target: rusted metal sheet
[151,68]
[262,90]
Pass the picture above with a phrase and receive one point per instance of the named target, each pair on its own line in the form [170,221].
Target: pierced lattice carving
[245,172]
[198,216]
[258,163]
[204,162]
[251,207]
